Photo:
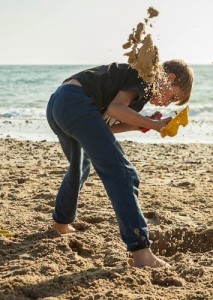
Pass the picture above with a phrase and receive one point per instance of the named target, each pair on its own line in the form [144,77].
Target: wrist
[153,125]
[157,126]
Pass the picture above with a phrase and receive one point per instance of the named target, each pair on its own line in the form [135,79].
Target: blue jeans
[85,138]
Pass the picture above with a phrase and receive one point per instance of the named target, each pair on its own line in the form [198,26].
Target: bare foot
[145,258]
[63,228]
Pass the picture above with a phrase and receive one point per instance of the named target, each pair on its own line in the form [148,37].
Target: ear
[171,77]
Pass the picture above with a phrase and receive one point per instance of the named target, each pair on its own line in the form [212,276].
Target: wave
[31,113]
[196,112]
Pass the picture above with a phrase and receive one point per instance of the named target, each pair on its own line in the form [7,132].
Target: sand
[176,198]
[144,55]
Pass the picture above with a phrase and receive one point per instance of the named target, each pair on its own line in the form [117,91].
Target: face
[167,94]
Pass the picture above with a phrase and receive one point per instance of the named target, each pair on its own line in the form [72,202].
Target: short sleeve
[135,83]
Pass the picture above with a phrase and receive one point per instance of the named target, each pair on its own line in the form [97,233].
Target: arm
[119,110]
[122,127]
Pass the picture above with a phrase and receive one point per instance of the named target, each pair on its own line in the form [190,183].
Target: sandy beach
[175,196]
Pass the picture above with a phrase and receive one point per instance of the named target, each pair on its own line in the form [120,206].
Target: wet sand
[176,198]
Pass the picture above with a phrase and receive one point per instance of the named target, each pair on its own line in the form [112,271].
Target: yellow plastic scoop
[172,127]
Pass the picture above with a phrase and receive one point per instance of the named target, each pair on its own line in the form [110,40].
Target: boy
[75,113]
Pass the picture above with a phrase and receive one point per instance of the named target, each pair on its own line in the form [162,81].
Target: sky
[93,31]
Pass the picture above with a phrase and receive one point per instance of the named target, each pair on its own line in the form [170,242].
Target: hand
[156,116]
[162,123]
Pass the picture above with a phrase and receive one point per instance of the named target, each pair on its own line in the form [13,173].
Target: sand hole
[176,240]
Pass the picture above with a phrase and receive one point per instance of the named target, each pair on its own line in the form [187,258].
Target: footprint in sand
[93,219]
[43,208]
[80,248]
[152,218]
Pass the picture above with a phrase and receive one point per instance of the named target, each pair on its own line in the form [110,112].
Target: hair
[184,77]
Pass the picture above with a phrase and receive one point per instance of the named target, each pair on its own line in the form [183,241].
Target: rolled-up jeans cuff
[146,244]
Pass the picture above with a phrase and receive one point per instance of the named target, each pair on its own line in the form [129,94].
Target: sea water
[25,90]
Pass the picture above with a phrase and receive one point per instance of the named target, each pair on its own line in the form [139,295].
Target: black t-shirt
[102,83]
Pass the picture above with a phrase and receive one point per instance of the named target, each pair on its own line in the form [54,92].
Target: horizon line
[77,64]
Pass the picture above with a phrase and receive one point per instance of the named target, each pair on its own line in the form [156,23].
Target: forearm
[128,116]
[122,127]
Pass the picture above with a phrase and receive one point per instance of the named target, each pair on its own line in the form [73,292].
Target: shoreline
[38,130]
[175,195]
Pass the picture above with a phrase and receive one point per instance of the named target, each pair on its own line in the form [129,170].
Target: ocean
[25,90]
